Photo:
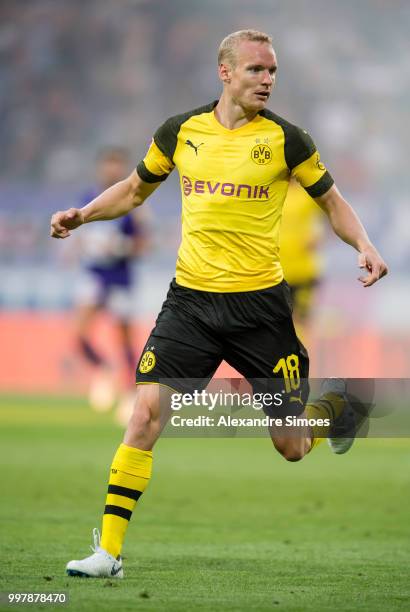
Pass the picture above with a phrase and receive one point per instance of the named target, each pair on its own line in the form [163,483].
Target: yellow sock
[129,476]
[328,406]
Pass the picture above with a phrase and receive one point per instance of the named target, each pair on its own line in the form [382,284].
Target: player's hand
[370,260]
[65,220]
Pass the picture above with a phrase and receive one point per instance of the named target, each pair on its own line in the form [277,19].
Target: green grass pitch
[226,524]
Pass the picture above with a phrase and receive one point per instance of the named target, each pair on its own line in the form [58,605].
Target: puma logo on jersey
[299,400]
[191,144]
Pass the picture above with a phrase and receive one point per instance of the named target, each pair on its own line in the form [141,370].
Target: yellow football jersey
[233,185]
[301,232]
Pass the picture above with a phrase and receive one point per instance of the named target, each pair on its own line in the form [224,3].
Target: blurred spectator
[301,237]
[72,73]
[107,252]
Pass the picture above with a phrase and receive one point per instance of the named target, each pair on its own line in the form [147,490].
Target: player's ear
[224,71]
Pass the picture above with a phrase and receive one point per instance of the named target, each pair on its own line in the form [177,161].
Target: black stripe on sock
[118,511]
[329,406]
[124,492]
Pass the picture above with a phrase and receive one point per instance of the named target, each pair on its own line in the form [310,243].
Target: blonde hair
[227,48]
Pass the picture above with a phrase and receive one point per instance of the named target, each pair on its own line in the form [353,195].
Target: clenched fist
[65,220]
[370,261]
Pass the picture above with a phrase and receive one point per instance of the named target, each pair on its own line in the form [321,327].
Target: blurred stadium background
[75,76]
[226,524]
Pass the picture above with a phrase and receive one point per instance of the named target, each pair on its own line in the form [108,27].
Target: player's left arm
[347,225]
[304,162]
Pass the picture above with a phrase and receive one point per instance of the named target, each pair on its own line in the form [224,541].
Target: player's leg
[121,304]
[126,402]
[130,473]
[180,348]
[126,341]
[126,399]
[120,301]
[295,442]
[84,317]
[181,352]
[268,353]
[102,389]
[131,468]
[333,404]
[91,298]
[348,404]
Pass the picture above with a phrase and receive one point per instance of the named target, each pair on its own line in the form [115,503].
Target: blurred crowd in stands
[78,75]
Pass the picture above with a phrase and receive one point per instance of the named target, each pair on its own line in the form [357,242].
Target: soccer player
[229,300]
[107,253]
[301,234]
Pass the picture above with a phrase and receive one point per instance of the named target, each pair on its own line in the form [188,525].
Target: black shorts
[253,331]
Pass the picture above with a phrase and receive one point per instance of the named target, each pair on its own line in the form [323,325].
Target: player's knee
[142,416]
[293,455]
[145,415]
[143,428]
[290,450]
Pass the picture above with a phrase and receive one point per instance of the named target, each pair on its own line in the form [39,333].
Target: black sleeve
[148,176]
[298,146]
[166,137]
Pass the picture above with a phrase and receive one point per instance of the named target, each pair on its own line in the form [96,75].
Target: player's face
[110,170]
[250,81]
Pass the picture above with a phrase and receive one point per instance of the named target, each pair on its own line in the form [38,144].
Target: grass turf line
[226,524]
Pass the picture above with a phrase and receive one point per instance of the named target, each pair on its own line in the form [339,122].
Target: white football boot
[343,430]
[98,565]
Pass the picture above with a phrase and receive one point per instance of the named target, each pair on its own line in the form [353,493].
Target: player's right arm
[114,202]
